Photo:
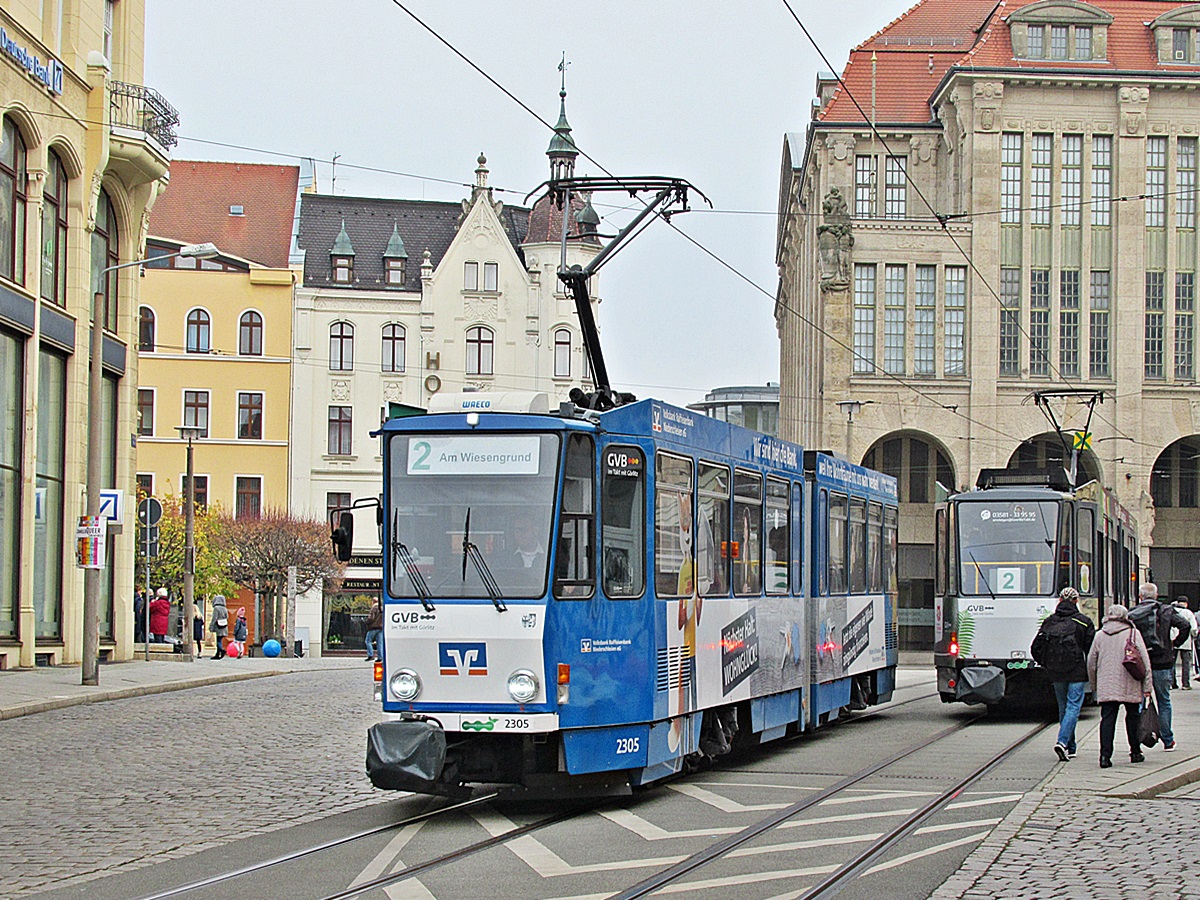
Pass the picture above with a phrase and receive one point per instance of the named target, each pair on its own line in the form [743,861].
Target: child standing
[240,631]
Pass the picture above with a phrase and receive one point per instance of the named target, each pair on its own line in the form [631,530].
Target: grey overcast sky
[699,89]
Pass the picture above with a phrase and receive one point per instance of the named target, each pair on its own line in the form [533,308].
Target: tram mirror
[343,537]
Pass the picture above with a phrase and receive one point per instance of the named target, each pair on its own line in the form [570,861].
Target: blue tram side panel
[591,599]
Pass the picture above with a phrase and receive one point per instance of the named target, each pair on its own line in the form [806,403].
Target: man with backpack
[1061,648]
[1155,621]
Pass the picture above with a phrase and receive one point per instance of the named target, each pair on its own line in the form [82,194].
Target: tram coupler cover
[406,756]
[981,684]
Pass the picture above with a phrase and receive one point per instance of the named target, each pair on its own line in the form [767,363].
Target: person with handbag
[1156,620]
[1120,675]
[219,625]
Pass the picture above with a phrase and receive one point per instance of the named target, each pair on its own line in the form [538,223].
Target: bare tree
[265,548]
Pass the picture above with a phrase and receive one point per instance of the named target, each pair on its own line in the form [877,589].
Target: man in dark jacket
[1061,648]
[1156,621]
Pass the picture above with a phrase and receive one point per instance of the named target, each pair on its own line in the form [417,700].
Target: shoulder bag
[1133,660]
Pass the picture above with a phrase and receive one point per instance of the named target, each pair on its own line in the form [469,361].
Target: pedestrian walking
[1156,620]
[1185,650]
[1114,686]
[139,617]
[374,631]
[160,616]
[240,632]
[1061,648]
[219,625]
[197,628]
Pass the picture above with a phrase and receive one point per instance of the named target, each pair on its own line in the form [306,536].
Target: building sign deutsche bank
[49,73]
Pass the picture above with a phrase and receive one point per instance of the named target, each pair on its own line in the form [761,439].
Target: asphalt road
[160,791]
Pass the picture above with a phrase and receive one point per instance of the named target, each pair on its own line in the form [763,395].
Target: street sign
[149,511]
[1082,440]
[112,505]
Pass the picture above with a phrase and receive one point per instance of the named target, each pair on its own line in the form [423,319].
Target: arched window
[54,232]
[13,178]
[105,253]
[341,347]
[393,348]
[198,330]
[250,334]
[562,353]
[479,350]
[145,330]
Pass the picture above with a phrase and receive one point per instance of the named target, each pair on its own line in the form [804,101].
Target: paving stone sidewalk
[1125,833]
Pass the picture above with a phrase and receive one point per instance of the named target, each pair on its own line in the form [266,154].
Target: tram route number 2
[628,745]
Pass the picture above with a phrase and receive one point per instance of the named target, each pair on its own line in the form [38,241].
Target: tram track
[453,856]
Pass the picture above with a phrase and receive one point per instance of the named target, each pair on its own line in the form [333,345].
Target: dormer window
[1060,31]
[394,272]
[1177,36]
[343,269]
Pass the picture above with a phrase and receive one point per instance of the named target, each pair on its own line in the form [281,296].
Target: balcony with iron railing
[142,131]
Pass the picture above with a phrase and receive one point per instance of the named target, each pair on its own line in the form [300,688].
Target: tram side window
[673,565]
[941,550]
[747,533]
[712,530]
[623,517]
[1083,552]
[858,546]
[798,560]
[890,535]
[837,543]
[573,578]
[875,548]
[779,537]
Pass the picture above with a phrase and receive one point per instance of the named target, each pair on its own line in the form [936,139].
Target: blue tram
[586,601]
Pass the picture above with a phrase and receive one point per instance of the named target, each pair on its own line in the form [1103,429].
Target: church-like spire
[342,245]
[562,150]
[395,246]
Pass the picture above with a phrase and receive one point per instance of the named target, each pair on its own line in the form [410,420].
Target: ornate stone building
[404,299]
[1021,217]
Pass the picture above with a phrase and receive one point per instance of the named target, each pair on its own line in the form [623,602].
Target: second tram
[1004,551]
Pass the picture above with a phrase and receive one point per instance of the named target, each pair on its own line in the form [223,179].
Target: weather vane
[562,67]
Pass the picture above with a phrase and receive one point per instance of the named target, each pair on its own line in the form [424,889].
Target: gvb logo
[463,659]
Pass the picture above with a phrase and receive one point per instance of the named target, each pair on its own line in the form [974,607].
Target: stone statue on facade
[834,241]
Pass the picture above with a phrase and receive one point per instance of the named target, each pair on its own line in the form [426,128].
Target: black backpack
[1146,619]
[1056,647]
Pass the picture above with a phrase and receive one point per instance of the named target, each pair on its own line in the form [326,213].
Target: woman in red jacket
[160,613]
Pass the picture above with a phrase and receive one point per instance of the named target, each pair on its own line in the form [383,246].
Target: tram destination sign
[474,455]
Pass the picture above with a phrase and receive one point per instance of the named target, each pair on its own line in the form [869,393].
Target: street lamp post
[189,433]
[90,655]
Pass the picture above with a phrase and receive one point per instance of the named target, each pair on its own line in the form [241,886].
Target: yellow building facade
[84,147]
[215,354]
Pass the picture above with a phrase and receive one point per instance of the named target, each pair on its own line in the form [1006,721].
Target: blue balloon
[271,648]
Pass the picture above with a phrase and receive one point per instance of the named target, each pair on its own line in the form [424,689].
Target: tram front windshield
[1007,547]
[505,482]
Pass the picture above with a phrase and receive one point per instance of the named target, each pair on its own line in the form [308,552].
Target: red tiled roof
[914,52]
[195,208]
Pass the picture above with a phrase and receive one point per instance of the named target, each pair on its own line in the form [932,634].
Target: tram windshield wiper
[979,569]
[401,552]
[472,552]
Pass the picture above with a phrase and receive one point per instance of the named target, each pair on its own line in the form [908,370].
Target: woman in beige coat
[1113,686]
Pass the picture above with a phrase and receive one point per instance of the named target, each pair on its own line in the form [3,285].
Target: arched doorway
[1175,488]
[1046,449]
[925,472]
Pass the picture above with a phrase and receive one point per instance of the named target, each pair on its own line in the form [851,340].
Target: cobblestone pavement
[91,788]
[1126,833]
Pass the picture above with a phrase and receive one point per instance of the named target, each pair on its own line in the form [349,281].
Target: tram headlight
[522,686]
[406,685]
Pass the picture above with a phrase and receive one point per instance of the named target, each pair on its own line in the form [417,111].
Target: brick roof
[423,225]
[195,208]
[914,53]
